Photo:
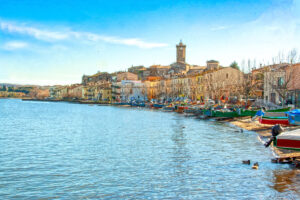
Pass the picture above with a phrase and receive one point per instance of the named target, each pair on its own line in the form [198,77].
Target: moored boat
[280,110]
[288,140]
[294,117]
[180,109]
[222,113]
[250,113]
[274,120]
[157,106]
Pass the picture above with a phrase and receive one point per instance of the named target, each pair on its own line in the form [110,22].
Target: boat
[280,110]
[168,108]
[207,113]
[274,117]
[224,113]
[250,113]
[180,109]
[288,140]
[158,106]
[294,117]
[274,114]
[190,110]
[274,120]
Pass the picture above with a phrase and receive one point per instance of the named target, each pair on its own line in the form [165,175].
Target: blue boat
[157,106]
[294,116]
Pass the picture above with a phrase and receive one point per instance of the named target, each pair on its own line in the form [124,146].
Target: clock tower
[180,52]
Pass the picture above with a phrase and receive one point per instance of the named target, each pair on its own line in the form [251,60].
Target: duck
[247,162]
[255,165]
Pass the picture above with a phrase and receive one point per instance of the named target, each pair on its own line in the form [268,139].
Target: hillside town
[277,84]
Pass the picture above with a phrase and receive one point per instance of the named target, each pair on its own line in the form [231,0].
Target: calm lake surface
[73,151]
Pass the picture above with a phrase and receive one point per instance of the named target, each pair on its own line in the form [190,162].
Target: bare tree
[292,56]
[279,80]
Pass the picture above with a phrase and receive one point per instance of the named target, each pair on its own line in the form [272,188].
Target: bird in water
[255,165]
[247,162]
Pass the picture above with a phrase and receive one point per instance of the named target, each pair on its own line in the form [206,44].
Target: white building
[132,91]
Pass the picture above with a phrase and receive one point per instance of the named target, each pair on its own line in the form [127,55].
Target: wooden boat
[294,117]
[280,110]
[158,106]
[180,109]
[288,140]
[207,113]
[228,114]
[168,108]
[250,113]
[138,104]
[275,114]
[190,110]
[274,120]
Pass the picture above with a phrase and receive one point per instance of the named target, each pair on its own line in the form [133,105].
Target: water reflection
[286,180]
[180,157]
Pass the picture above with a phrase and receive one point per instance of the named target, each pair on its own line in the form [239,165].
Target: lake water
[73,151]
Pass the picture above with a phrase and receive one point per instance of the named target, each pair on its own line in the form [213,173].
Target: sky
[59,41]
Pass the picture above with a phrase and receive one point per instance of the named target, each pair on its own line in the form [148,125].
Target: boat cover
[289,135]
[274,114]
[294,112]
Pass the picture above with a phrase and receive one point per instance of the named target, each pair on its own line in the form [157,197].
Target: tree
[279,81]
[235,65]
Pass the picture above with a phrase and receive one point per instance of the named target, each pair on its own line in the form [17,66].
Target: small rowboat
[274,120]
[158,106]
[288,140]
[180,109]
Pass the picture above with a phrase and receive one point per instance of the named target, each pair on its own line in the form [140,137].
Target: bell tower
[180,55]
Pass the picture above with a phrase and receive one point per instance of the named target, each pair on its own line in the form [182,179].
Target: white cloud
[34,32]
[115,40]
[14,45]
[53,36]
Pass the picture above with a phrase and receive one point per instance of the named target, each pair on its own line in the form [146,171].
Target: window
[280,81]
[227,75]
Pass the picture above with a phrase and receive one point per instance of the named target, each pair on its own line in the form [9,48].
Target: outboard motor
[276,130]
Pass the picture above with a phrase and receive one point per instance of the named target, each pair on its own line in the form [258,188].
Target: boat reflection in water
[286,180]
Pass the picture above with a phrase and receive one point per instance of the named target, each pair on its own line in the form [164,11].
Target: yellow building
[199,92]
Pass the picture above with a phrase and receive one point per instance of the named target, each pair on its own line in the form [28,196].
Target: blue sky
[56,42]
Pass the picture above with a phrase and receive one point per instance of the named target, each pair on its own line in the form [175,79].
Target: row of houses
[127,86]
[275,83]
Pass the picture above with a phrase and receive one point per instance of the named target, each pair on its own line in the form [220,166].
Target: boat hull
[274,121]
[158,106]
[294,119]
[288,140]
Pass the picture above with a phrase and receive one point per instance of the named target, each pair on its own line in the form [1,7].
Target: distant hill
[9,84]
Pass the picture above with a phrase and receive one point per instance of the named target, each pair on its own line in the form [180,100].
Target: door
[273,97]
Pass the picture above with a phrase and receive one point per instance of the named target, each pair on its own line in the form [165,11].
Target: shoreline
[264,132]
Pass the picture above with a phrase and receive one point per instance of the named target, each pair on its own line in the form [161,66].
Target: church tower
[180,52]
